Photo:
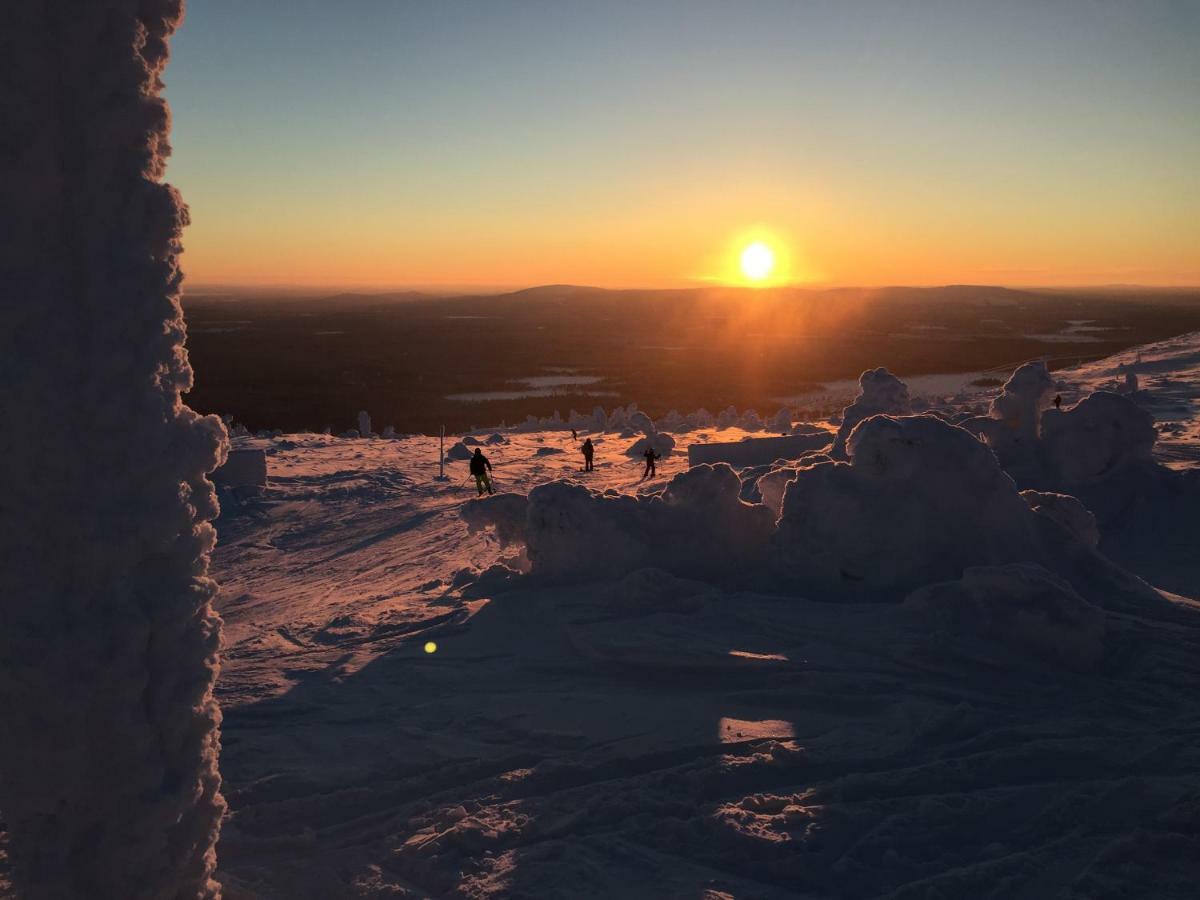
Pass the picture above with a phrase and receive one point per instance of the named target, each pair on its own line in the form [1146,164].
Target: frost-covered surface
[108,640]
[879,392]
[628,724]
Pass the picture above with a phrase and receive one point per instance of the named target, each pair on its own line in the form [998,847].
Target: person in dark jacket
[589,450]
[1058,401]
[651,456]
[480,467]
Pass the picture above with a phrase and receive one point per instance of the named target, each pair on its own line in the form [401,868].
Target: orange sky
[876,145]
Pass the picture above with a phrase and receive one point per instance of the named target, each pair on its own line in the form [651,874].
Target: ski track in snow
[753,746]
[744,746]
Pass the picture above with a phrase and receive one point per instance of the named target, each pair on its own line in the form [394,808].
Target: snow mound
[496,438]
[1021,606]
[1068,512]
[548,451]
[919,502]
[459,452]
[662,443]
[645,592]
[773,484]
[697,527]
[504,512]
[1100,435]
[879,392]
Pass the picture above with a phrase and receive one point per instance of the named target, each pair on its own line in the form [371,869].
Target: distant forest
[305,362]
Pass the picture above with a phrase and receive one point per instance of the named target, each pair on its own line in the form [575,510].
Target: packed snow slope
[889,675]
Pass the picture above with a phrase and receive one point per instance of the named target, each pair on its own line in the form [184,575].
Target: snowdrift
[919,502]
[697,527]
[1020,606]
[1100,451]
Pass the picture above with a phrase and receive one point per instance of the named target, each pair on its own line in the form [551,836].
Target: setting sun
[758,261]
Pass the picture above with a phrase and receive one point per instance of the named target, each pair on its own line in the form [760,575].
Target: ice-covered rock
[364,424]
[781,422]
[879,392]
[1021,606]
[459,452]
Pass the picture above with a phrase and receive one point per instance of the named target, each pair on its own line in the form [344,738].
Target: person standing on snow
[480,466]
[651,456]
[1058,401]
[589,450]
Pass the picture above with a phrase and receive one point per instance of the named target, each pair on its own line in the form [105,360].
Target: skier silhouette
[480,466]
[651,456]
[588,450]
[1058,401]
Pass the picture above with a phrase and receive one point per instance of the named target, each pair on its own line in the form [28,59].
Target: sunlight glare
[757,261]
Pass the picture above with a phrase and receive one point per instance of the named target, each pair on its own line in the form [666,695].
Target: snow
[879,392]
[656,688]
[108,640]
[1021,606]
[758,451]
[244,467]
[573,532]
[1096,438]
[919,502]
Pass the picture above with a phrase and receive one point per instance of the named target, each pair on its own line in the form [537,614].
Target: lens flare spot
[430,647]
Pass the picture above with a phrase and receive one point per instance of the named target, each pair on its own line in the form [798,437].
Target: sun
[758,261]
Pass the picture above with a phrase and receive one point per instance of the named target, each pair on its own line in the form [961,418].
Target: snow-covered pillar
[108,640]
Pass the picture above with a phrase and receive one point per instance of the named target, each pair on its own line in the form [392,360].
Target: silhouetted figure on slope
[651,456]
[480,466]
[574,435]
[1058,401]
[588,450]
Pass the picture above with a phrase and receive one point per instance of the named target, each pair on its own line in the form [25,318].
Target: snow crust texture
[108,642]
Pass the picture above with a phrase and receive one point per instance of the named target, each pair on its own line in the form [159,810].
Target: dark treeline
[292,362]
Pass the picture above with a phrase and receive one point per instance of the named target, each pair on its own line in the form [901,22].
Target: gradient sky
[642,143]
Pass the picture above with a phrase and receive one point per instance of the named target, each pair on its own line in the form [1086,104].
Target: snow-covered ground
[641,733]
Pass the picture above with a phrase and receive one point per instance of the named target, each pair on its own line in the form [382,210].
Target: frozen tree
[879,392]
[108,640]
